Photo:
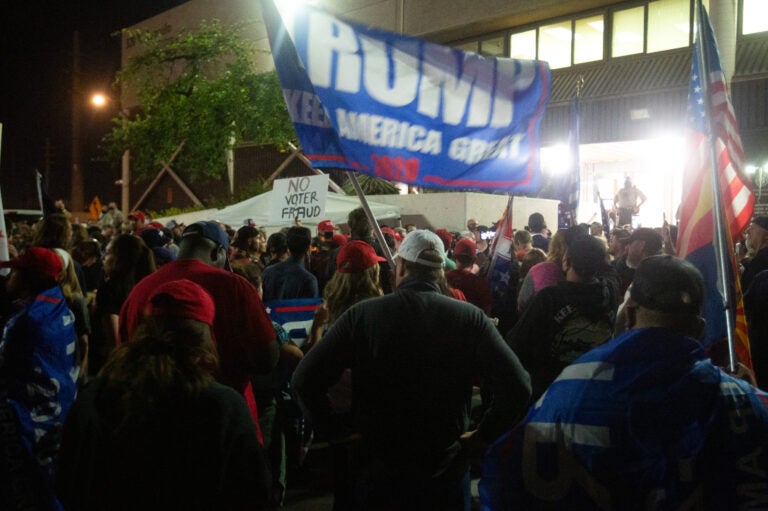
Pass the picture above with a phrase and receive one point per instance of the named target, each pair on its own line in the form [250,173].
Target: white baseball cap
[419,241]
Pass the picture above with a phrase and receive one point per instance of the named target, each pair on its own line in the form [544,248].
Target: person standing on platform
[626,202]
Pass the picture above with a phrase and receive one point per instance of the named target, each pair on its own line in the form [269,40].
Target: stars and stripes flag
[501,258]
[712,211]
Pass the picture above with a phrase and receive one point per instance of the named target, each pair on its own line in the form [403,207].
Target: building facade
[633,58]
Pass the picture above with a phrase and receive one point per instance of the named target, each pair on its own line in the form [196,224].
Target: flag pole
[372,219]
[576,150]
[4,254]
[717,209]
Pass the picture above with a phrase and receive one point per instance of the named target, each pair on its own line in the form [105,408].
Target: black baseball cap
[210,230]
[665,283]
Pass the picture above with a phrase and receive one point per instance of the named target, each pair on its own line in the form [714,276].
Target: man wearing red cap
[320,255]
[326,226]
[136,221]
[245,338]
[38,375]
[474,287]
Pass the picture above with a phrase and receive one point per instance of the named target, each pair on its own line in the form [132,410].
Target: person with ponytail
[155,429]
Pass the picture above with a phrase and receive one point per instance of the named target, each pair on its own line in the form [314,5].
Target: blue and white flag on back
[408,110]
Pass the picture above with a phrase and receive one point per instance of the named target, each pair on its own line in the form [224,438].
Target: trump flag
[407,110]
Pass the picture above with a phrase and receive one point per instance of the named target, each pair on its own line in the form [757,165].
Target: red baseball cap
[182,299]
[446,236]
[138,215]
[466,247]
[339,239]
[356,256]
[326,225]
[39,260]
[392,233]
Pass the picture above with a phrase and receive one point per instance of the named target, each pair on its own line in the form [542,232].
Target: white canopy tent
[337,209]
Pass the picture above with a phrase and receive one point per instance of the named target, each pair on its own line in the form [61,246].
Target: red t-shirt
[241,326]
[474,287]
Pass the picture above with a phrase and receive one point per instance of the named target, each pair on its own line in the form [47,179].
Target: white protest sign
[299,197]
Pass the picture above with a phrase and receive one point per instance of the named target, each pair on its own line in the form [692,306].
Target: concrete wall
[451,210]
[447,210]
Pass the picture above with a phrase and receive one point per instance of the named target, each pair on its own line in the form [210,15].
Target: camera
[487,235]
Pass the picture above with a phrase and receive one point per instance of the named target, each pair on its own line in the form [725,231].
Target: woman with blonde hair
[356,279]
[550,272]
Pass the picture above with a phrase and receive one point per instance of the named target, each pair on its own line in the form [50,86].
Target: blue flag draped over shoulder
[295,316]
[644,421]
[407,110]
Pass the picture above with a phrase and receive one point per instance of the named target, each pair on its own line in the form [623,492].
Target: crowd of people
[140,368]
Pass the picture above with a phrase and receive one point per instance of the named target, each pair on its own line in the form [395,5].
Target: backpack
[577,333]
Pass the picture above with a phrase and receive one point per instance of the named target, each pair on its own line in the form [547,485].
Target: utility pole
[47,163]
[76,198]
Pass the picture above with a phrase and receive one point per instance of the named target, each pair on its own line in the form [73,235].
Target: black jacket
[414,355]
[560,324]
[193,455]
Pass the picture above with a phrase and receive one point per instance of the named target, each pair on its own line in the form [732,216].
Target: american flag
[697,235]
[502,253]
[738,200]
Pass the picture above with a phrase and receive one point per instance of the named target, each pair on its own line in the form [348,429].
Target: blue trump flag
[407,110]
[295,316]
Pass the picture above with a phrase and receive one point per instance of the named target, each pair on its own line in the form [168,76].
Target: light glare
[98,100]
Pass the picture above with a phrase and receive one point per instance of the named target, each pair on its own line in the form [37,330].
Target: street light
[99,100]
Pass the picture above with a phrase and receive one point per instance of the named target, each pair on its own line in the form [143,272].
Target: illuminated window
[668,24]
[471,46]
[555,44]
[492,47]
[755,17]
[588,40]
[523,45]
[627,37]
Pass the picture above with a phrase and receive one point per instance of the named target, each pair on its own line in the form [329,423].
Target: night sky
[36,41]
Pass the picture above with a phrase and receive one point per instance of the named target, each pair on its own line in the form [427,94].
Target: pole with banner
[407,110]
[372,220]
[4,255]
[718,200]
[717,207]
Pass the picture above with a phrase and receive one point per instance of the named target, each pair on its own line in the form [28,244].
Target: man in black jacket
[565,321]
[414,355]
